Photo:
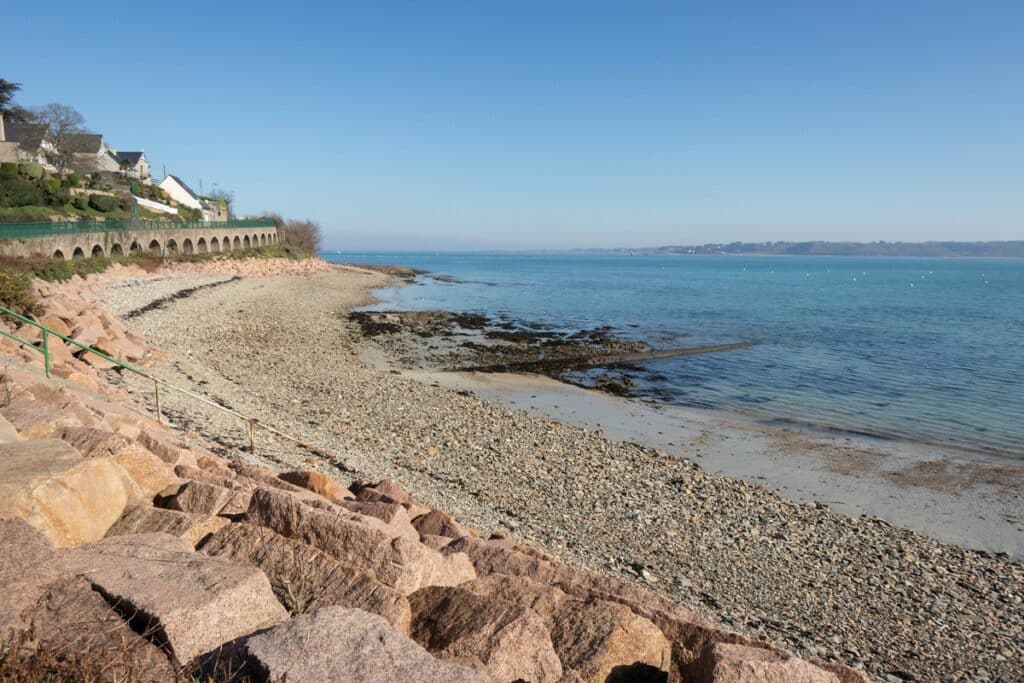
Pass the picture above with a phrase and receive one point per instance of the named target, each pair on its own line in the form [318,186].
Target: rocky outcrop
[69,498]
[144,519]
[317,483]
[724,663]
[507,641]
[191,603]
[337,644]
[304,578]
[399,562]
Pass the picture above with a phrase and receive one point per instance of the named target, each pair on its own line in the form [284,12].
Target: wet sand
[969,499]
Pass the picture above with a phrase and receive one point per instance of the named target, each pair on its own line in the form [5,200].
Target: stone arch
[237,244]
[116,250]
[201,246]
[97,251]
[246,243]
[171,246]
[214,244]
[186,247]
[58,255]
[225,243]
[154,248]
[263,240]
[78,253]
[135,248]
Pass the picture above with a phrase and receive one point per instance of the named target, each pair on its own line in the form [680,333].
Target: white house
[177,190]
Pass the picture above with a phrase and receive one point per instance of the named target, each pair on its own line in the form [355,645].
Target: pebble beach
[855,590]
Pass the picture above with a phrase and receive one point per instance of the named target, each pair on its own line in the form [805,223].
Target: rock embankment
[135,552]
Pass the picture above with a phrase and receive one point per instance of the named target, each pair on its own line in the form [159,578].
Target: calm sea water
[926,349]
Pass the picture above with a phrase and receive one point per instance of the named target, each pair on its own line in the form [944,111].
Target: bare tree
[62,123]
[224,197]
[303,235]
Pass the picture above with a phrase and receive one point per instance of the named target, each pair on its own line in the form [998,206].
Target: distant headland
[1007,249]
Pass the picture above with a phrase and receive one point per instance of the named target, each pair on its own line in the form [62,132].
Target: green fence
[48,228]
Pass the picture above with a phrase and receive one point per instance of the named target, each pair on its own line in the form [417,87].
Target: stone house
[136,163]
[30,140]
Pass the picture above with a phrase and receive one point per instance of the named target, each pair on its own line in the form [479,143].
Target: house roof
[28,135]
[130,158]
[85,143]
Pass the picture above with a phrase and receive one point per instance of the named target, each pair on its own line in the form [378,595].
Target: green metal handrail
[48,228]
[251,422]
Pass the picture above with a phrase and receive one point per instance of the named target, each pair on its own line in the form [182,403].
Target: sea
[930,350]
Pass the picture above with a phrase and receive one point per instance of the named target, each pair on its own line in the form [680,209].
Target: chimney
[3,134]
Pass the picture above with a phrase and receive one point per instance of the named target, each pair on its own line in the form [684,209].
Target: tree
[303,235]
[225,198]
[8,109]
[62,123]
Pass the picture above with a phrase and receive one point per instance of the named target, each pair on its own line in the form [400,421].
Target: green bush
[56,194]
[104,203]
[80,202]
[8,169]
[73,180]
[191,215]
[20,191]
[56,270]
[30,170]
[16,292]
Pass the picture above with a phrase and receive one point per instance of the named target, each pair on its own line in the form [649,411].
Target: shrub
[104,203]
[304,236]
[8,169]
[73,180]
[31,170]
[189,214]
[16,292]
[20,191]
[56,194]
[80,202]
[56,270]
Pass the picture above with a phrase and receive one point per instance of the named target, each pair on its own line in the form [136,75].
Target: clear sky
[432,125]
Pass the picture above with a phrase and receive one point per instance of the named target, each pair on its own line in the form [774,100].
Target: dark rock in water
[620,385]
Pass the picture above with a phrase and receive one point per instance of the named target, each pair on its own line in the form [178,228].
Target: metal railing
[51,228]
[251,422]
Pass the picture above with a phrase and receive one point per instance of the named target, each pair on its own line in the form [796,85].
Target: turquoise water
[926,349]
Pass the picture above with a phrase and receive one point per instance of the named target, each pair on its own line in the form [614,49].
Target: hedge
[104,203]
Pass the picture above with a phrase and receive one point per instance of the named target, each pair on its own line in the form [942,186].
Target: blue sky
[430,125]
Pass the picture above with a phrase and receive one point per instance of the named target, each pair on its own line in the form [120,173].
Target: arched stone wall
[116,250]
[136,248]
[58,254]
[237,243]
[187,247]
[97,251]
[214,245]
[78,253]
[171,247]
[155,248]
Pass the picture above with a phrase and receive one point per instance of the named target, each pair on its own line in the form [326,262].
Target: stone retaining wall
[162,241]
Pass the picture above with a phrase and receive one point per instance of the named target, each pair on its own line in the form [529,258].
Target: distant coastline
[1006,249]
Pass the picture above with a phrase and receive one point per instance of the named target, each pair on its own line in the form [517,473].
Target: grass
[36,213]
[16,292]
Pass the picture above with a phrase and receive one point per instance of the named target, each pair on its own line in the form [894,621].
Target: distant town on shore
[1007,249]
